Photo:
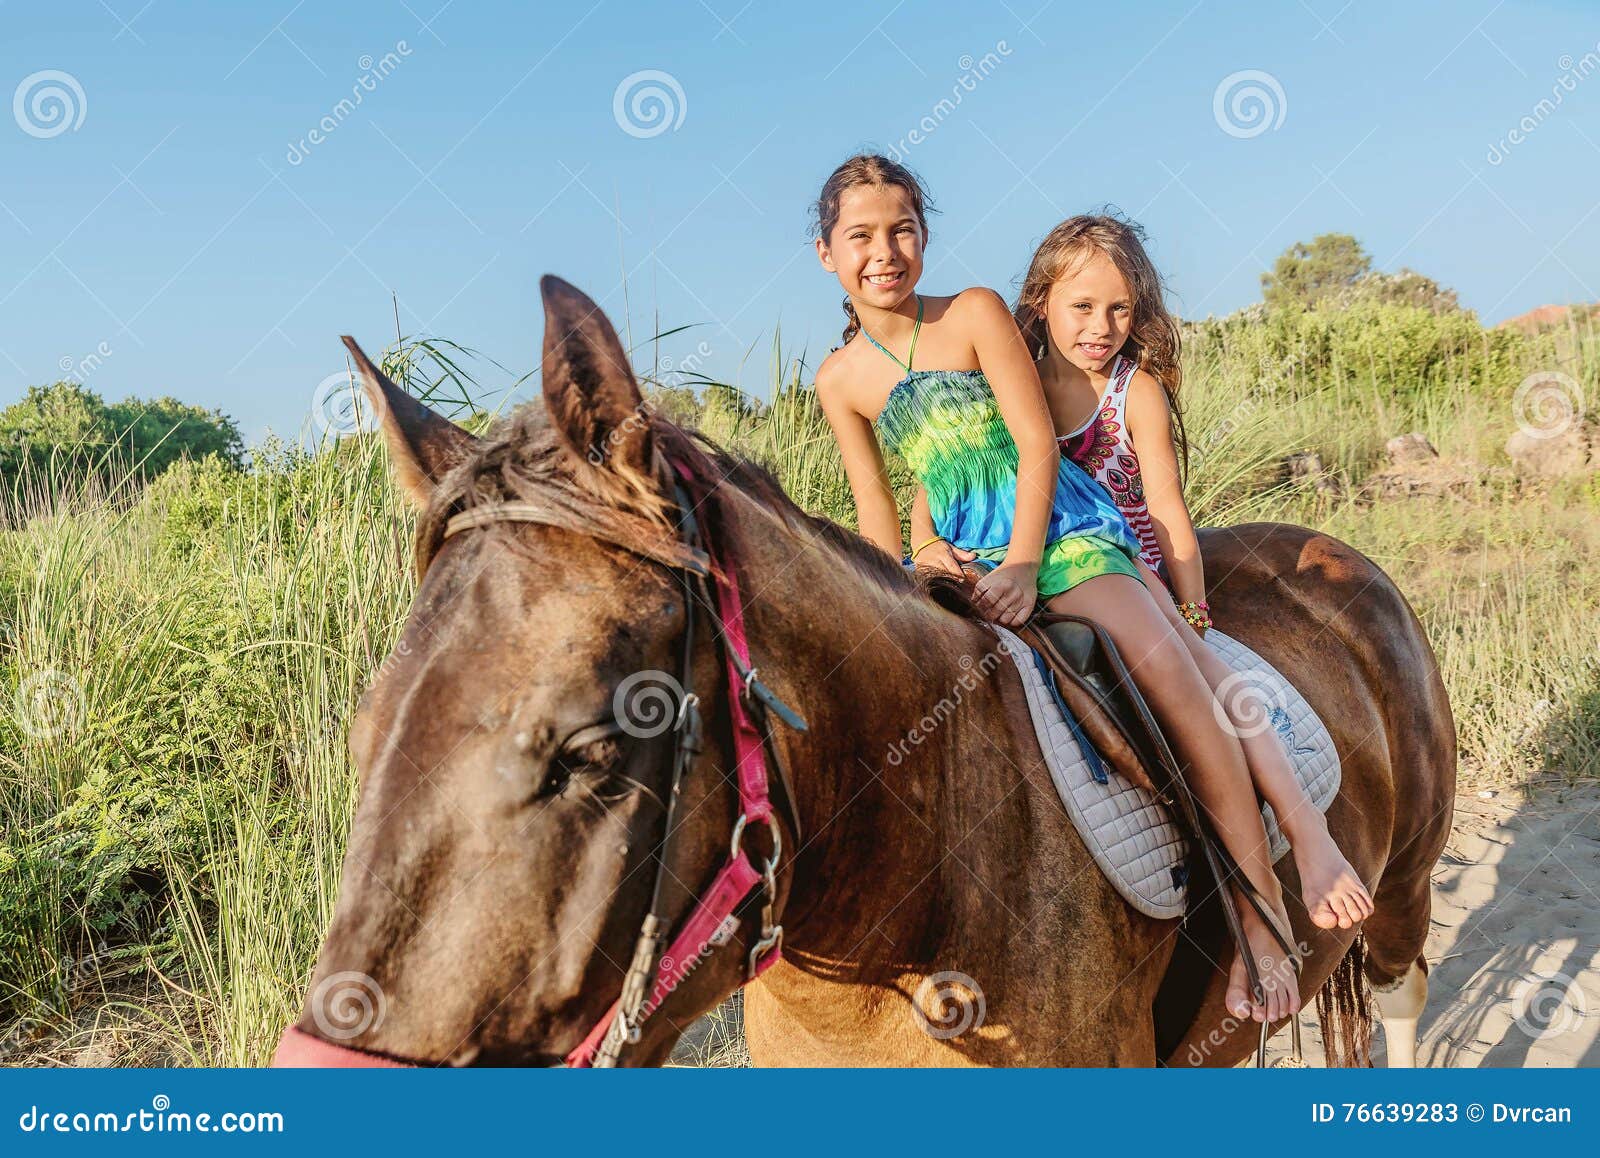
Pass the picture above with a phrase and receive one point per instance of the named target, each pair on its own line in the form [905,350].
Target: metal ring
[772,826]
[777,847]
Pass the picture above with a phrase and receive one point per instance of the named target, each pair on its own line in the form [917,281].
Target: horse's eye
[597,756]
[591,760]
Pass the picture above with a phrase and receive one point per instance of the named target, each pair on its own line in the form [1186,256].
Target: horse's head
[516,750]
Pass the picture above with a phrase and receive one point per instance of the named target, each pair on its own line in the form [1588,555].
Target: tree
[157,433]
[1303,273]
[1405,288]
[67,428]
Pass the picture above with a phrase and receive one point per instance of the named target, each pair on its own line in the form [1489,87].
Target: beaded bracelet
[1196,614]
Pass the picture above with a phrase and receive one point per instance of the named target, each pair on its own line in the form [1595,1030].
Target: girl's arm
[877,517]
[1004,359]
[921,519]
[1150,431]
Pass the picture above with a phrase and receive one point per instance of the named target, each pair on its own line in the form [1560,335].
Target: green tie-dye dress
[947,426]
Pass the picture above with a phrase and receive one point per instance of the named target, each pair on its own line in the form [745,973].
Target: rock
[1305,468]
[1416,470]
[1573,450]
[1405,449]
[96,1055]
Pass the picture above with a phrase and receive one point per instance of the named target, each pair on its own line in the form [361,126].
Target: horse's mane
[524,458]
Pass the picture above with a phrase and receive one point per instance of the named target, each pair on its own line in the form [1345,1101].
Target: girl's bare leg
[1333,893]
[1178,694]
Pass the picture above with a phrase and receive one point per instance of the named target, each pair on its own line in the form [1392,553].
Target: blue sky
[181,232]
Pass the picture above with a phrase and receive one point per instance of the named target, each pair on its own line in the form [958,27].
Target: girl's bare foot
[1279,983]
[1333,893]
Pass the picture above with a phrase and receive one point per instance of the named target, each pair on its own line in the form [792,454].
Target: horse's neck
[935,847]
[909,781]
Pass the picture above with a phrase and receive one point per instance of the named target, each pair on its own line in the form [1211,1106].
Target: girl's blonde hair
[1153,340]
[866,169]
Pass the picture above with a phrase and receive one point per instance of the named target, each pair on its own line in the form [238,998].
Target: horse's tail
[1344,1010]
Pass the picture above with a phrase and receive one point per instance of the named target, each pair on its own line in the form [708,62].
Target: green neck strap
[911,354]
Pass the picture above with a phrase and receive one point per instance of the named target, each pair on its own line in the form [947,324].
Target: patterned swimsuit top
[947,426]
[1104,449]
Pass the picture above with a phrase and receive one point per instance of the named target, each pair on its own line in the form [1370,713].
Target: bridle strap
[670,553]
[714,918]
[621,1026]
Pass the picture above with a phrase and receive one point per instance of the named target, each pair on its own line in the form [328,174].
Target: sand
[1514,951]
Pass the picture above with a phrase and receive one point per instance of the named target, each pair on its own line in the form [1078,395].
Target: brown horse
[940,908]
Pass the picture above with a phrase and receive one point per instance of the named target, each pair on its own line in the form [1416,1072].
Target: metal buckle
[771,942]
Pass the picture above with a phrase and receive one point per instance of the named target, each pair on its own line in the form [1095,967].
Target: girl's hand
[946,557]
[1007,594]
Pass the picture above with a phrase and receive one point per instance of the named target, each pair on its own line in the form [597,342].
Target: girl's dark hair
[866,169]
[1153,340]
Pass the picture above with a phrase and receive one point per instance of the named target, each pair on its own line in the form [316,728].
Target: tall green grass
[171,834]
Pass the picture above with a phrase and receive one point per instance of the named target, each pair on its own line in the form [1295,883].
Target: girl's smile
[876,247]
[1090,313]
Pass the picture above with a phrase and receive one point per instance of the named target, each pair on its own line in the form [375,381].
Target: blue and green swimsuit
[947,426]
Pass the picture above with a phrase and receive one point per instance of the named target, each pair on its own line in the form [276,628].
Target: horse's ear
[423,445]
[589,388]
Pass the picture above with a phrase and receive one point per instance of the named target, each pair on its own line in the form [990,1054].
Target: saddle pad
[1131,836]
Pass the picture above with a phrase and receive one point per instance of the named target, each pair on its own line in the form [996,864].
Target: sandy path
[1515,944]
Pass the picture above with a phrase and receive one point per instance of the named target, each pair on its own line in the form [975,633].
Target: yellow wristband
[929,543]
